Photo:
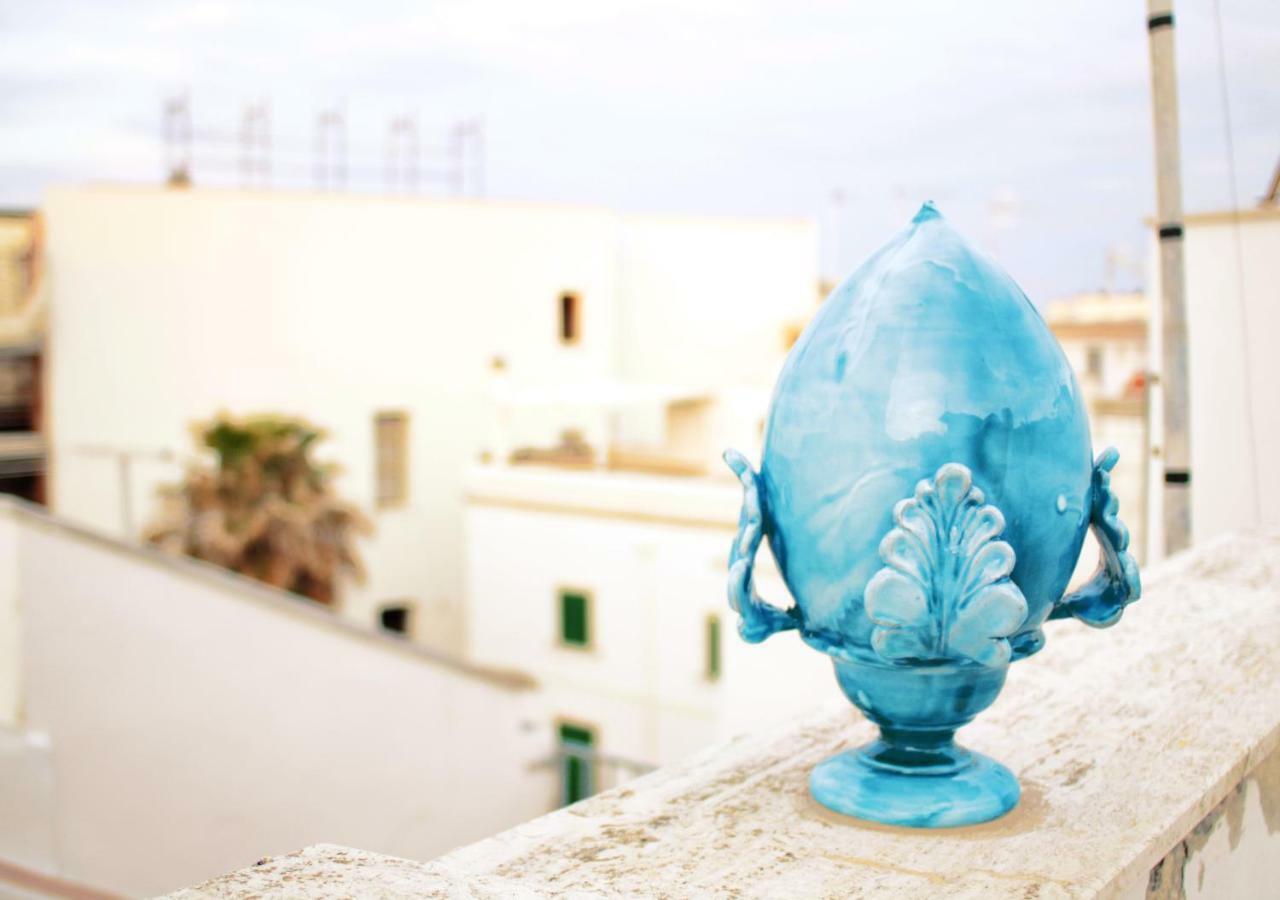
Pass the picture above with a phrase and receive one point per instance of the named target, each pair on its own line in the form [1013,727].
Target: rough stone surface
[1123,740]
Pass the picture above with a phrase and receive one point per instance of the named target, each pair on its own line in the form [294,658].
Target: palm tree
[263,508]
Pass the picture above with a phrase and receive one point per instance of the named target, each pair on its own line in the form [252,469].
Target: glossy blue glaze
[929,354]
[916,774]
[974,788]
[944,592]
[925,487]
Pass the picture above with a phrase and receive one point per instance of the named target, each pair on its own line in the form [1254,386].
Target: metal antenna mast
[177,140]
[457,158]
[255,145]
[478,155]
[466,151]
[331,150]
[403,153]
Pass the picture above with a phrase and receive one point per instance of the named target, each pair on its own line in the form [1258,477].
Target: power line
[1238,244]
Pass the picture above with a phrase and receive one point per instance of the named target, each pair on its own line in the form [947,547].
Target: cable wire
[1229,137]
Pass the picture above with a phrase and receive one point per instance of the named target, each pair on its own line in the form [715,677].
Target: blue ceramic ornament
[925,486]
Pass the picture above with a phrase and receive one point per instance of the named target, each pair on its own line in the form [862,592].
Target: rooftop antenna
[1272,196]
[255,145]
[1002,214]
[457,158]
[478,155]
[403,153]
[836,199]
[466,151]
[176,125]
[331,150]
[1176,451]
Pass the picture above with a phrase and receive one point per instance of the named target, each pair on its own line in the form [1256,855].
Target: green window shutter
[713,648]
[577,770]
[575,619]
[576,734]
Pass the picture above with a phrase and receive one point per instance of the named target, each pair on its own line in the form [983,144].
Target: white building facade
[385,321]
[610,587]
[1233,315]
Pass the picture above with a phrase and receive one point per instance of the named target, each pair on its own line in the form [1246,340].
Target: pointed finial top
[927,211]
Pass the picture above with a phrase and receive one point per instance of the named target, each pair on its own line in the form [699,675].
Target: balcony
[1148,758]
[620,426]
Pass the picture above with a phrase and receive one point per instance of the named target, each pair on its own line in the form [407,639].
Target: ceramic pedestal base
[915,774]
[953,787]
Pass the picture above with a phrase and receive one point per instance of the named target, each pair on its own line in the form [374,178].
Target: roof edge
[254,591]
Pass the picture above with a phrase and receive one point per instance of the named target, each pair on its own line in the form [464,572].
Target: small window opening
[1093,360]
[577,762]
[575,618]
[391,449]
[712,635]
[396,618]
[570,318]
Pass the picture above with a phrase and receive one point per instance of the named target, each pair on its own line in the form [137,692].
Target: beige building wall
[19,234]
[710,306]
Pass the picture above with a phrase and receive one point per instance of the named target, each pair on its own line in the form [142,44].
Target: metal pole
[124,460]
[1176,449]
[177,140]
[458,159]
[479,153]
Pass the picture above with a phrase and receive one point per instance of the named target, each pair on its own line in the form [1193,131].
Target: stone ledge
[325,872]
[1124,741]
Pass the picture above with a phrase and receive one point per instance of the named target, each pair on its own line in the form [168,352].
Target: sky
[1028,123]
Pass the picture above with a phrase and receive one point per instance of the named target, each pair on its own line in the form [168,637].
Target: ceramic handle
[757,619]
[1115,584]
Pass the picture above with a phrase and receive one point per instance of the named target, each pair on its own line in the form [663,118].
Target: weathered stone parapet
[1141,755]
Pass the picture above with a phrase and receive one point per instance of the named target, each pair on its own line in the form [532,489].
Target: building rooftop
[354,198]
[1101,315]
[1099,306]
[707,501]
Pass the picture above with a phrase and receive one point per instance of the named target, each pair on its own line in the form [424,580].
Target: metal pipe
[1173,381]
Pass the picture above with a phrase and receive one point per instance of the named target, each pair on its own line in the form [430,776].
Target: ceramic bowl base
[851,784]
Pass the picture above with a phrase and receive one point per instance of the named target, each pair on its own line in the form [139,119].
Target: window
[396,618]
[712,635]
[391,447]
[577,762]
[570,318]
[1093,361]
[575,618]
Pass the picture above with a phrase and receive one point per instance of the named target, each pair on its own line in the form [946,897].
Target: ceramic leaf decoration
[925,487]
[945,593]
